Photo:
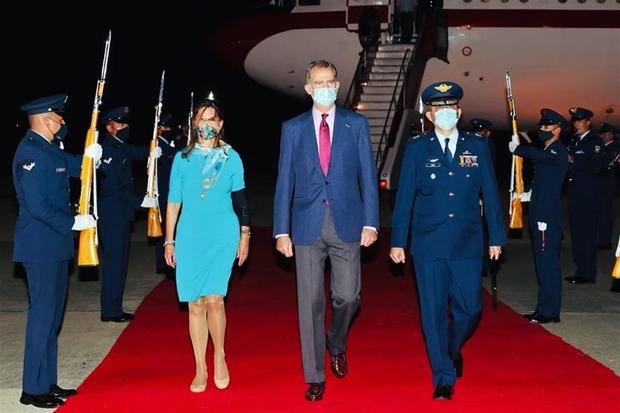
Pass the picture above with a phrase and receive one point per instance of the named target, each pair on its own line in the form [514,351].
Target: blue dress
[207,233]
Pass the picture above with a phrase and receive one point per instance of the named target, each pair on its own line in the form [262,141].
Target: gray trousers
[345,287]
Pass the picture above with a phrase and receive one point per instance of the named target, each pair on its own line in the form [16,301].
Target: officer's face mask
[123,134]
[545,135]
[324,96]
[446,119]
[168,135]
[61,133]
[207,132]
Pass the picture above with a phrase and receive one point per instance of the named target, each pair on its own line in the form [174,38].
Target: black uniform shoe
[123,318]
[579,280]
[543,319]
[604,246]
[61,393]
[443,392]
[44,401]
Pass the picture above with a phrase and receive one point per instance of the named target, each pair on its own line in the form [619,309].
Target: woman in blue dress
[212,230]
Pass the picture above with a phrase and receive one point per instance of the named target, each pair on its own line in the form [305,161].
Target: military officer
[585,168]
[166,141]
[443,173]
[545,212]
[605,216]
[482,127]
[117,202]
[43,241]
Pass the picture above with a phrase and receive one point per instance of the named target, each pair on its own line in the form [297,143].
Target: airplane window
[467,1]
[504,1]
[309,2]
[484,1]
[581,1]
[562,1]
[601,1]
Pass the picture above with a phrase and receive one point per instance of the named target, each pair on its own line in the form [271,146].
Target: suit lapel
[309,140]
[434,150]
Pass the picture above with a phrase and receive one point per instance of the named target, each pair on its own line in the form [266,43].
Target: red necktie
[324,144]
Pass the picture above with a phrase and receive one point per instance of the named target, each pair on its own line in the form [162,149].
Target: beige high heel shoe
[221,383]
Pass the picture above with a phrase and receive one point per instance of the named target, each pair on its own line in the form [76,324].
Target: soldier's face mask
[61,133]
[545,135]
[167,134]
[123,134]
[446,119]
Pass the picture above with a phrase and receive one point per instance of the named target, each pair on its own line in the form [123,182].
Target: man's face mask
[61,133]
[168,135]
[325,95]
[123,134]
[446,119]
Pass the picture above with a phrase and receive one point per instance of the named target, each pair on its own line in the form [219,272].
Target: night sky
[53,53]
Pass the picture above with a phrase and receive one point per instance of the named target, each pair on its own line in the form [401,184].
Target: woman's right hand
[170,256]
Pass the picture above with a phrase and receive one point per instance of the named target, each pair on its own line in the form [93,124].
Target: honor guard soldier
[117,202]
[482,127]
[166,141]
[43,241]
[605,215]
[443,173]
[585,167]
[545,212]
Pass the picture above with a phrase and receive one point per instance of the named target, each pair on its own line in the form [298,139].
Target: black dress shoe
[61,393]
[604,246]
[44,401]
[579,280]
[458,365]
[615,286]
[443,392]
[339,365]
[543,319]
[315,392]
[123,318]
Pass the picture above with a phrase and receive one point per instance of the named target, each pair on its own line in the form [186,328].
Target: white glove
[94,151]
[83,221]
[156,152]
[526,196]
[149,202]
[512,146]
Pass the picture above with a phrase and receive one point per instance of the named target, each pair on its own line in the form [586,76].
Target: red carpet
[510,365]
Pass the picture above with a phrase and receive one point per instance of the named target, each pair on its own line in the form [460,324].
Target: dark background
[55,52]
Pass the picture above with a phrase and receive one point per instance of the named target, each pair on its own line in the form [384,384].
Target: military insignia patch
[107,161]
[597,148]
[443,88]
[433,163]
[467,160]
[28,165]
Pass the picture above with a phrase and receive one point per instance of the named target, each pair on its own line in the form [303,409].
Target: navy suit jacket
[303,191]
[441,201]
[41,173]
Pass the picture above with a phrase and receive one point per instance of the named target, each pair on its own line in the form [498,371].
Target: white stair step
[377,129]
[388,62]
[373,106]
[374,113]
[378,121]
[394,47]
[380,90]
[370,97]
[384,76]
[385,69]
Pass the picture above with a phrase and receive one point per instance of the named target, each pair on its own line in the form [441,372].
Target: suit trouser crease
[345,286]
[47,288]
[548,269]
[115,249]
[443,282]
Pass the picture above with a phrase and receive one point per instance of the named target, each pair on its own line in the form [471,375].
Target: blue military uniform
[584,180]
[478,125]
[607,189]
[117,202]
[43,242]
[545,217]
[439,200]
[167,144]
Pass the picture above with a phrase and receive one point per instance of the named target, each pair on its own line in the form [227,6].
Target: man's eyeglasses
[324,83]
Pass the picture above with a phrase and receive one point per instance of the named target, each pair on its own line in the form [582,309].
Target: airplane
[560,54]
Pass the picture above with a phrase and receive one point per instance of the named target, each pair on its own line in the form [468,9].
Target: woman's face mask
[207,132]
[446,119]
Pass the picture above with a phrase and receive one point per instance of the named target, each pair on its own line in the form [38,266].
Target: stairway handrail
[404,61]
[354,87]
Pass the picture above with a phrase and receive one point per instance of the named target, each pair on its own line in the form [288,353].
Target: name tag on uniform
[60,170]
[468,160]
[579,152]
[433,163]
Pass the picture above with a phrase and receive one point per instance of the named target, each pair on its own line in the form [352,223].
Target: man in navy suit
[43,241]
[443,174]
[326,204]
[545,213]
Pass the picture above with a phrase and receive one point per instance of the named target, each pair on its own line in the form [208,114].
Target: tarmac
[590,313]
